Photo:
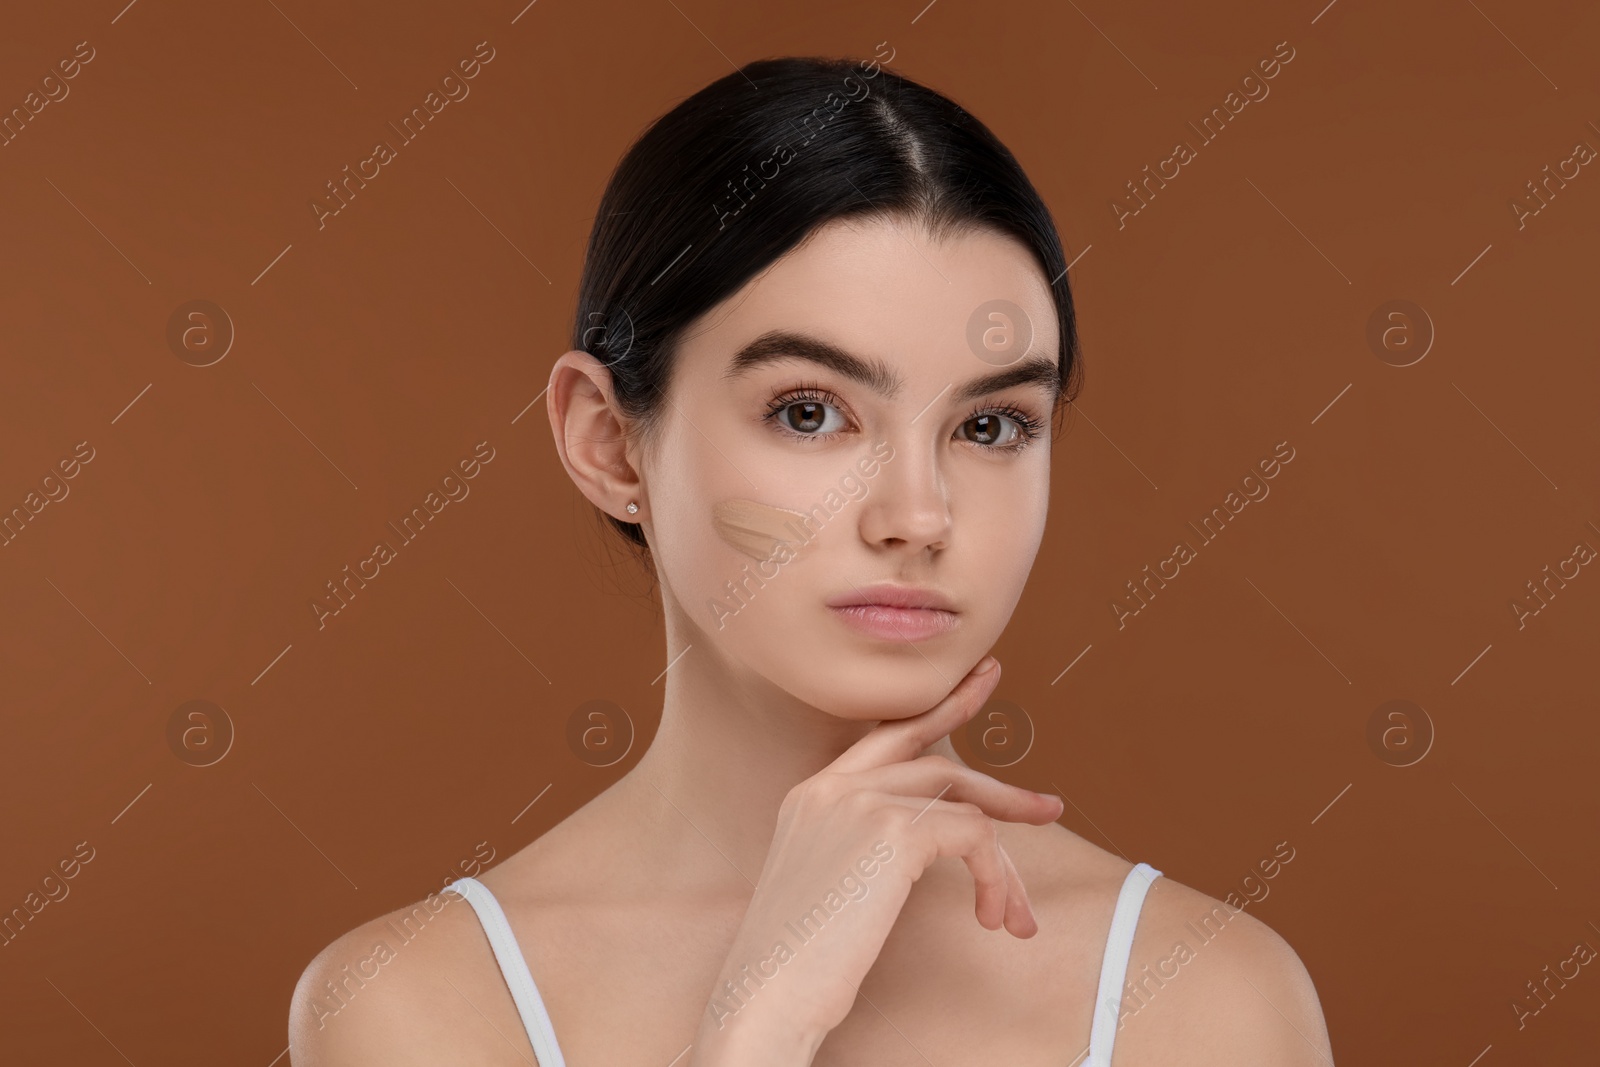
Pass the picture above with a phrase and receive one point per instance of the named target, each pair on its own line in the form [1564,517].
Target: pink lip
[895,624]
[889,595]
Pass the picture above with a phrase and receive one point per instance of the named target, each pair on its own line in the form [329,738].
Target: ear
[590,434]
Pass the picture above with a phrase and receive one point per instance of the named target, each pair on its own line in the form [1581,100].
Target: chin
[866,688]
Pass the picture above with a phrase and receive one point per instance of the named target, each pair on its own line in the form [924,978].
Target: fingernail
[988,664]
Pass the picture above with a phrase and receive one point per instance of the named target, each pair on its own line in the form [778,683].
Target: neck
[729,748]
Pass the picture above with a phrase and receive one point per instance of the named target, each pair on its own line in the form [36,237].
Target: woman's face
[904,473]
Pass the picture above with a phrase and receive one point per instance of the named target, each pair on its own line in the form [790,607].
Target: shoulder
[397,990]
[1208,983]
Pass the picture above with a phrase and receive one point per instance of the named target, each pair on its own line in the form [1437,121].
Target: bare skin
[634,908]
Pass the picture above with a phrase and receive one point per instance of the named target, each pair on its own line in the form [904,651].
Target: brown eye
[807,415]
[1005,430]
[988,429]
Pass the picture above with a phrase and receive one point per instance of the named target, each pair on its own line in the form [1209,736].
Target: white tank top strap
[514,966]
[1114,963]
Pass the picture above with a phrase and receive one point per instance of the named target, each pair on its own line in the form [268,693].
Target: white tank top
[542,1035]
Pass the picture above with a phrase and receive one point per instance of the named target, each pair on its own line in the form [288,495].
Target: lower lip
[896,624]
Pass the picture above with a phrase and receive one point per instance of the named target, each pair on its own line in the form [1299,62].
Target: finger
[960,830]
[903,739]
[1020,920]
[1002,899]
[937,776]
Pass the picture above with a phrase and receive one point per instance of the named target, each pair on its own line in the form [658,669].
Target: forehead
[887,289]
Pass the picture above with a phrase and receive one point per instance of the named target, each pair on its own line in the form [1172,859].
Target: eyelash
[1029,428]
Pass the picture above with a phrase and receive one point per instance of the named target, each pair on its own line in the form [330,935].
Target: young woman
[823,333]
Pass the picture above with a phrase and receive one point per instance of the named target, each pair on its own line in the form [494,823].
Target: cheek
[693,561]
[711,525]
[760,531]
[1002,524]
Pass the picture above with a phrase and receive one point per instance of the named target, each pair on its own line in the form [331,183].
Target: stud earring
[633,509]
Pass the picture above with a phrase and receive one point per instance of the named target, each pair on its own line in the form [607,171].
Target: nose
[908,506]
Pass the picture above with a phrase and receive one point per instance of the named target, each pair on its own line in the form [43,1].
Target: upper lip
[889,595]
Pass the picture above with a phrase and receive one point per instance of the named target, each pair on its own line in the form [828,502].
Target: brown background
[371,756]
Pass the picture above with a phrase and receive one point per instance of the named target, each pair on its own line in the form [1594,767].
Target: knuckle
[896,821]
[801,797]
[862,801]
[825,787]
[983,827]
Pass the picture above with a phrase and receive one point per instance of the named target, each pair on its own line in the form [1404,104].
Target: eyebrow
[777,346]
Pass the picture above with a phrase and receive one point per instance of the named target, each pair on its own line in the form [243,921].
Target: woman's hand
[849,842]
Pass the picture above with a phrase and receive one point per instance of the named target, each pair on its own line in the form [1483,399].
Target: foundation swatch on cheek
[754,528]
